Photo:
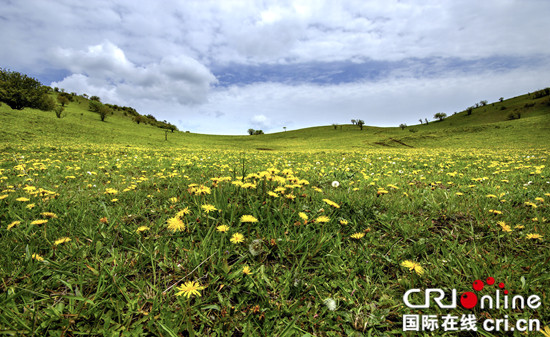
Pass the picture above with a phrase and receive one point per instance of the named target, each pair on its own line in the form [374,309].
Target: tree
[284,127]
[251,131]
[469,110]
[402,126]
[335,126]
[360,123]
[501,99]
[353,121]
[103,111]
[258,132]
[420,120]
[440,115]
[95,98]
[484,102]
[426,120]
[62,99]
[94,106]
[19,91]
[59,111]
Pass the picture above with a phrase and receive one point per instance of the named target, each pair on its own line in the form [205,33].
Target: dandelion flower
[173,200]
[3,196]
[330,303]
[331,203]
[39,222]
[114,200]
[246,270]
[237,238]
[248,218]
[110,191]
[303,216]
[504,226]
[142,229]
[189,288]
[49,215]
[175,224]
[30,206]
[545,332]
[357,235]
[335,184]
[183,212]
[255,247]
[322,219]
[208,208]
[14,223]
[273,194]
[222,228]
[23,199]
[61,240]
[413,266]
[533,236]
[37,257]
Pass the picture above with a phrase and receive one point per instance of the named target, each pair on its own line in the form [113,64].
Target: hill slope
[487,126]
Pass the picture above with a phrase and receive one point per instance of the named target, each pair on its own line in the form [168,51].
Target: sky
[223,67]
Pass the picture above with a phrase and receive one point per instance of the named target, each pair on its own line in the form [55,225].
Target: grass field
[108,229]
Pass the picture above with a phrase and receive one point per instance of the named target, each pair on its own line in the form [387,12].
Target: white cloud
[104,70]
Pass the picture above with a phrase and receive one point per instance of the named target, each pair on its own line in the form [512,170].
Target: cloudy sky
[222,67]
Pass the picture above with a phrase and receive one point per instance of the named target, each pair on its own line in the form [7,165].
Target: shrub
[19,91]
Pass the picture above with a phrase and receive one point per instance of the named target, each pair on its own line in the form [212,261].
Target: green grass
[427,196]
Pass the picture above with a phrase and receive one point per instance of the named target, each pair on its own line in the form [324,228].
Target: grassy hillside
[487,126]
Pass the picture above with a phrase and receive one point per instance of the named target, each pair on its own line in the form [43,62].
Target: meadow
[109,229]
[136,241]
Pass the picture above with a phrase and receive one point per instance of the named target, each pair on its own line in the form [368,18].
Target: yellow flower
[141,229]
[39,222]
[173,200]
[37,257]
[222,228]
[331,203]
[30,206]
[545,332]
[114,200]
[343,222]
[49,215]
[248,218]
[183,212]
[459,193]
[23,199]
[189,288]
[175,224]
[3,196]
[14,223]
[322,219]
[61,240]
[237,238]
[110,191]
[208,208]
[246,270]
[505,227]
[357,235]
[494,211]
[413,266]
[303,216]
[273,194]
[519,226]
[534,236]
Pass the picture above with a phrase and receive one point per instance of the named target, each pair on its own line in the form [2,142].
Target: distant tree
[402,126]
[284,127]
[138,119]
[360,123]
[440,115]
[484,102]
[59,111]
[85,96]
[103,111]
[501,99]
[62,99]
[94,106]
[251,131]
[420,120]
[426,121]
[95,98]
[258,132]
[353,121]
[469,110]
[335,126]
[19,91]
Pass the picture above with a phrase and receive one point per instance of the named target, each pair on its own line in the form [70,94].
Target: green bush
[20,91]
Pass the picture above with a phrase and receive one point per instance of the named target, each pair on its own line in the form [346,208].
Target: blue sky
[223,67]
